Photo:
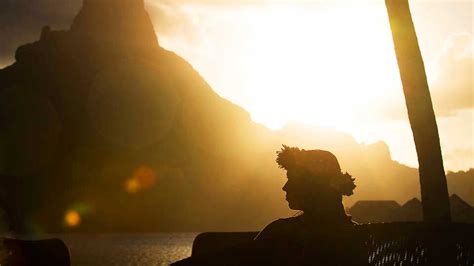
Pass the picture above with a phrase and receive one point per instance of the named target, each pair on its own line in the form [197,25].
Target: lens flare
[143,178]
[132,185]
[72,218]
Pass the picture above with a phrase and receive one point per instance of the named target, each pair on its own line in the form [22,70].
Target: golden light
[321,63]
[72,218]
[328,64]
[327,73]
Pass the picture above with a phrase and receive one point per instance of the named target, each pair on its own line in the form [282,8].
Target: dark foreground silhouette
[324,235]
[405,243]
[14,252]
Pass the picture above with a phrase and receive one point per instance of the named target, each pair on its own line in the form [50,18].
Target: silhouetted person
[322,234]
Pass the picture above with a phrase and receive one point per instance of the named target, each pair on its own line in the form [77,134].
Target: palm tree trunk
[434,191]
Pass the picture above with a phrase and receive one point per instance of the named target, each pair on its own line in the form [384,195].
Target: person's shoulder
[278,228]
[284,222]
[350,221]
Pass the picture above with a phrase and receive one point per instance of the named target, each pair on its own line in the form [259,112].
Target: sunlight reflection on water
[128,249]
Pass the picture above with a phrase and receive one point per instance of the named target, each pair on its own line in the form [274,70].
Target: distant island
[367,211]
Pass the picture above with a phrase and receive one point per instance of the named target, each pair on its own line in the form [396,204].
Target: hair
[321,164]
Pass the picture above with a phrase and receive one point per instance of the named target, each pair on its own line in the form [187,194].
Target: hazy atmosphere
[276,58]
[259,132]
[128,119]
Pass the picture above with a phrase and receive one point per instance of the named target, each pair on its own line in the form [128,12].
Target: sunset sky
[323,63]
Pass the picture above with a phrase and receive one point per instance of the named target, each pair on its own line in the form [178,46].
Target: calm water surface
[128,249]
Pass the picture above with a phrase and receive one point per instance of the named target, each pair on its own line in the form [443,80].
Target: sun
[325,63]
[324,68]
[328,64]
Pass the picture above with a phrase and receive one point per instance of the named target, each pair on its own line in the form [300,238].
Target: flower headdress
[321,164]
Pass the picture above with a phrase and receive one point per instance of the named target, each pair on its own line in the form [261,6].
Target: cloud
[173,20]
[459,158]
[452,90]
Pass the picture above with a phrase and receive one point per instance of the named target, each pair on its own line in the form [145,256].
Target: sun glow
[327,74]
[327,64]
[315,63]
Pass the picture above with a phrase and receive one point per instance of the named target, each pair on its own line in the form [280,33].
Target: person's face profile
[303,193]
[295,188]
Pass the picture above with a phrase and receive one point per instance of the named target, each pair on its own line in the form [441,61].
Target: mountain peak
[123,22]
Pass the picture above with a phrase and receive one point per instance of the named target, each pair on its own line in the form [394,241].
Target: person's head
[315,181]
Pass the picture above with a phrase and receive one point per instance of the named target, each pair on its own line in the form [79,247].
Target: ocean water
[128,249]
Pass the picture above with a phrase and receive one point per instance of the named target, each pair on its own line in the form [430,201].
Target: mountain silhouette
[101,120]
[123,23]
[82,109]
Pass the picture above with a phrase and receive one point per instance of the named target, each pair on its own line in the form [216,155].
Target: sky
[324,63]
